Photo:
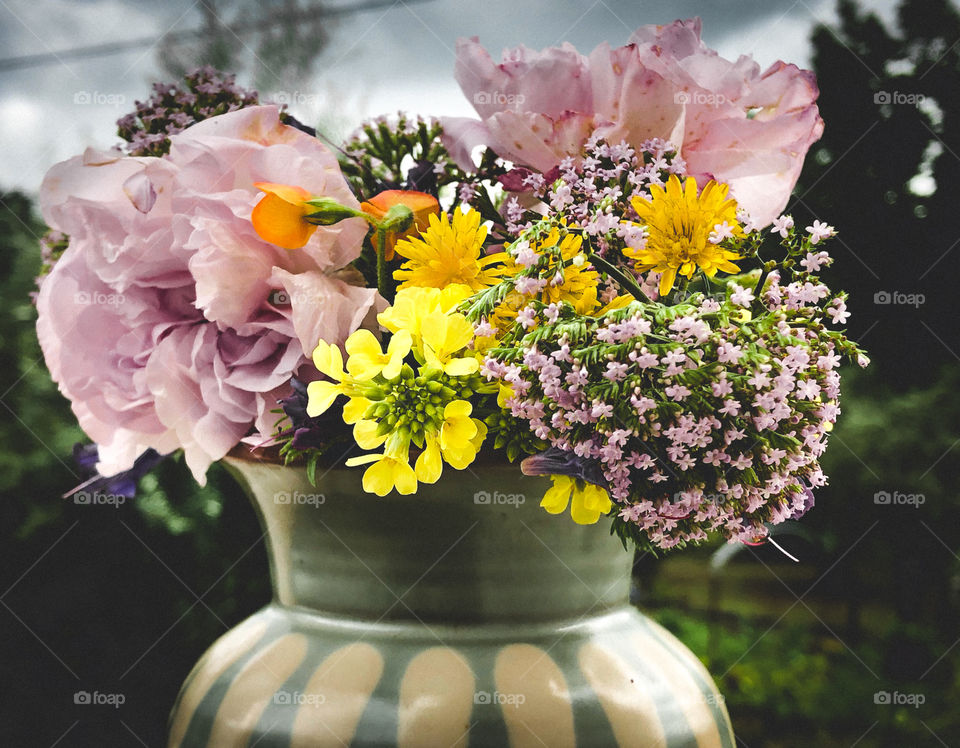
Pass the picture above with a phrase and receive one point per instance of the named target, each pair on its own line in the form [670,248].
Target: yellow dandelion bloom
[679,222]
[576,282]
[449,251]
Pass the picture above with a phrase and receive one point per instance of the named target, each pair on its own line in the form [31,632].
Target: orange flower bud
[279,217]
[422,205]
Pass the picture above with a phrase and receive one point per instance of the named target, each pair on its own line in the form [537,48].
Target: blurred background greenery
[801,651]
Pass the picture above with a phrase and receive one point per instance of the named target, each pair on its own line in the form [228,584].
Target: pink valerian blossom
[725,446]
[782,226]
[814,261]
[732,122]
[838,312]
[820,231]
[529,286]
[202,323]
[720,232]
[741,296]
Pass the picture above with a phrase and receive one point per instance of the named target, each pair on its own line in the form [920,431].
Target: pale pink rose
[732,122]
[168,322]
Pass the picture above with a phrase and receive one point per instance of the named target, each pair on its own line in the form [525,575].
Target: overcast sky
[396,57]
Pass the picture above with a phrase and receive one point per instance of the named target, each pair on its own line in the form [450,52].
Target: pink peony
[168,322]
[731,122]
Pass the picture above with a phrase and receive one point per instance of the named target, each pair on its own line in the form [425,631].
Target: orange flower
[279,217]
[422,205]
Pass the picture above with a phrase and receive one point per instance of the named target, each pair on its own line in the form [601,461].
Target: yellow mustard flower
[679,222]
[589,502]
[322,394]
[412,304]
[390,470]
[456,443]
[410,396]
[449,251]
[367,359]
[445,335]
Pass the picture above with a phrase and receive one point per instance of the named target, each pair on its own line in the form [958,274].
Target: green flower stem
[626,283]
[383,273]
[758,289]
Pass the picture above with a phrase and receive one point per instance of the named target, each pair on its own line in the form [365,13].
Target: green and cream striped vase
[462,616]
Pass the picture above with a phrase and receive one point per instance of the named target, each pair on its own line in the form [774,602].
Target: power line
[314,13]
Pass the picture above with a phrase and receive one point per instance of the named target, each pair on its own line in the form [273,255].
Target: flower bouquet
[593,282]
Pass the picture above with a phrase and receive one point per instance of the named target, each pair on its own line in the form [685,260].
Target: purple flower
[120,484]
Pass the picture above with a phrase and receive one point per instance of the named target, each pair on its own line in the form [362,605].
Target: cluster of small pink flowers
[699,421]
[594,192]
[172,108]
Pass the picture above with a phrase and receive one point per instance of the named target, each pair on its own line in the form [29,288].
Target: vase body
[462,616]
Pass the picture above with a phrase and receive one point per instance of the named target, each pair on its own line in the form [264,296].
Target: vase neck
[473,547]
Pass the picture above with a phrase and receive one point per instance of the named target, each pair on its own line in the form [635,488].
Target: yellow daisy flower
[449,251]
[679,223]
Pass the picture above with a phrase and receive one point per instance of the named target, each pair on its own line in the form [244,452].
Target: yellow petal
[667,277]
[363,460]
[477,440]
[378,478]
[461,367]
[355,409]
[429,463]
[405,479]
[366,358]
[589,504]
[460,456]
[328,359]
[365,434]
[557,497]
[457,408]
[397,350]
[320,396]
